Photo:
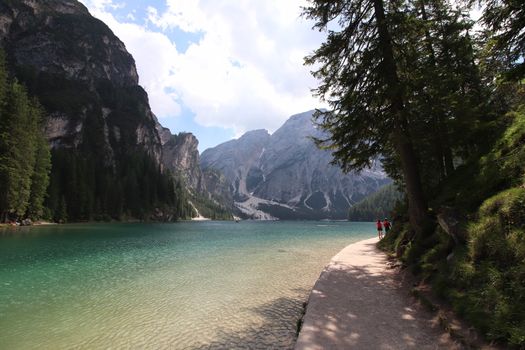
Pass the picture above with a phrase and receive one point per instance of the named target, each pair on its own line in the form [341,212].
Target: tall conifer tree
[42,167]
[369,114]
[18,157]
[506,19]
[443,84]
[24,153]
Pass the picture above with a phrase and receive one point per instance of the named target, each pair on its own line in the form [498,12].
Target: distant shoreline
[37,223]
[137,221]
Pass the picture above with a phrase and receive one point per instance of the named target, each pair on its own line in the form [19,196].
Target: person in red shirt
[379,228]
[386,225]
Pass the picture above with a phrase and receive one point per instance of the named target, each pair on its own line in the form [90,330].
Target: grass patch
[483,279]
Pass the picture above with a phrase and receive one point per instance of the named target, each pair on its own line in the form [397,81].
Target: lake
[188,285]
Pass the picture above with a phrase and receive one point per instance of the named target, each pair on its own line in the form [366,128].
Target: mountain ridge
[285,176]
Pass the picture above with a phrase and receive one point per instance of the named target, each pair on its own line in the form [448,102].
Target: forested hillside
[413,82]
[378,205]
[24,153]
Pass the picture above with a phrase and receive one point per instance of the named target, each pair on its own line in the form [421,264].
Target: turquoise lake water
[189,285]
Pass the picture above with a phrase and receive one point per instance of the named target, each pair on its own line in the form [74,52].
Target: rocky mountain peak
[255,134]
[180,154]
[284,175]
[82,75]
[61,37]
[59,6]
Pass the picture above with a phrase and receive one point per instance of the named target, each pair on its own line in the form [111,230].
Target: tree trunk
[447,151]
[417,207]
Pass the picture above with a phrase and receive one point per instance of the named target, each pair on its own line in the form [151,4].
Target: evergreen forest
[375,206]
[441,100]
[24,153]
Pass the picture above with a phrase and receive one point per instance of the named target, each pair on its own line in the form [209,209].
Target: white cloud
[154,54]
[246,72]
[103,4]
[183,14]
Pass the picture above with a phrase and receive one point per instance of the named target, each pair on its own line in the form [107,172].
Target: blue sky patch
[207,136]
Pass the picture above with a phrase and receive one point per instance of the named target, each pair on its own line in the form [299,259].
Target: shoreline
[36,223]
[359,303]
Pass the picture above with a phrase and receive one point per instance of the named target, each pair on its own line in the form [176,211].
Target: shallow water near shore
[189,285]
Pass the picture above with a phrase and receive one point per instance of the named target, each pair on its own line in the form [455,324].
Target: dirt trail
[357,303]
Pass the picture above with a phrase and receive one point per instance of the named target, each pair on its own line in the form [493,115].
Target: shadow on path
[357,303]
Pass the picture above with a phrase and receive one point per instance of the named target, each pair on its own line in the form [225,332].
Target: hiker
[387,225]
[379,228]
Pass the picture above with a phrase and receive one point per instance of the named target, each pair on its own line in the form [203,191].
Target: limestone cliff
[82,74]
[181,156]
[209,189]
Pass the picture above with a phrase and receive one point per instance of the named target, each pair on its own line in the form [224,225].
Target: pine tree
[24,153]
[61,213]
[4,139]
[18,158]
[40,178]
[3,82]
[369,114]
[444,86]
[506,20]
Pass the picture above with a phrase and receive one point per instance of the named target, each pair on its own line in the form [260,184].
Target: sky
[217,68]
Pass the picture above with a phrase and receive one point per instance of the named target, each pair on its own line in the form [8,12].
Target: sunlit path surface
[358,303]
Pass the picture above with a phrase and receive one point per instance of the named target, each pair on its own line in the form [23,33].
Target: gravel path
[358,303]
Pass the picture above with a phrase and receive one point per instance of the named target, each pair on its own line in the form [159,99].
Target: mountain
[81,72]
[208,191]
[108,154]
[285,176]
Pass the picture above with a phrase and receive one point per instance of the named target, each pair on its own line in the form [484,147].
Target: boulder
[26,222]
